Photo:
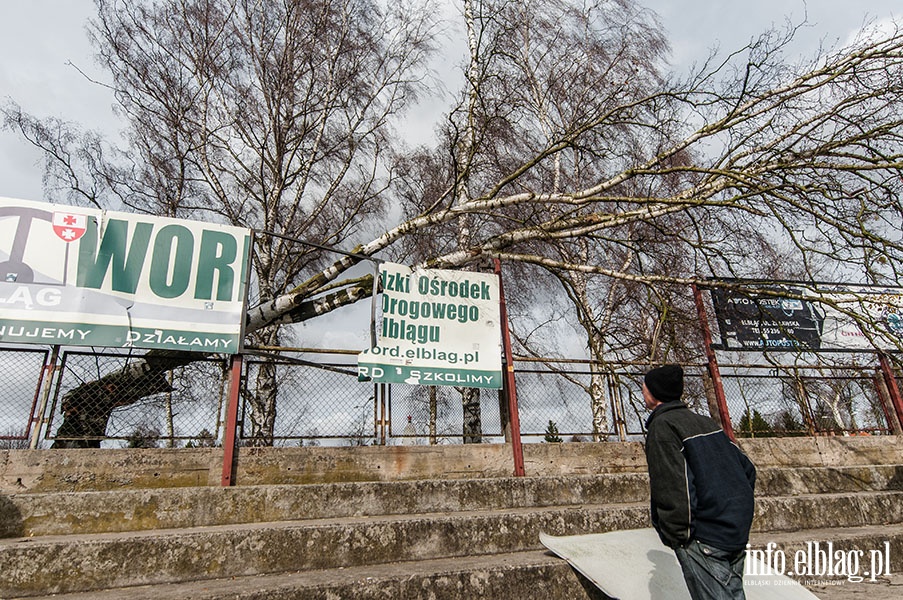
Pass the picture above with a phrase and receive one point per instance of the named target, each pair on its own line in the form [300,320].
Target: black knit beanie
[666,383]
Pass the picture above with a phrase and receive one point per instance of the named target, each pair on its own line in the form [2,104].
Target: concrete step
[522,575]
[145,509]
[81,470]
[788,481]
[70,563]
[526,575]
[56,564]
[410,538]
[59,513]
[817,511]
[847,545]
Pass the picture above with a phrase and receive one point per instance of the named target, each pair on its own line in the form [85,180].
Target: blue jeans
[710,573]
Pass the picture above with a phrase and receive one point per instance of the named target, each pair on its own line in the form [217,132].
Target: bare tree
[273,116]
[554,63]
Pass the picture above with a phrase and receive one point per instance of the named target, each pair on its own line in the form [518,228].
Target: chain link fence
[575,402]
[185,407]
[434,414]
[298,399]
[792,401]
[23,373]
[314,398]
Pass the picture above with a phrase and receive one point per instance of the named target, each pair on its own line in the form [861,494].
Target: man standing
[702,489]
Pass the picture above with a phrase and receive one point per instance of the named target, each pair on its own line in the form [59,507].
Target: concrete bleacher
[397,522]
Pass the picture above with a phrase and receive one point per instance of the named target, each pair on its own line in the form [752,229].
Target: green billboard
[438,327]
[85,277]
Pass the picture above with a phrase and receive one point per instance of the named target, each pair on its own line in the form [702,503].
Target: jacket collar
[664,407]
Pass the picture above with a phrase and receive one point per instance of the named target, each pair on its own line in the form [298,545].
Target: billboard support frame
[45,384]
[231,426]
[712,363]
[892,388]
[508,381]
[885,384]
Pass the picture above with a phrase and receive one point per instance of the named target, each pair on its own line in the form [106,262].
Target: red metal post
[893,423]
[508,381]
[714,373]
[892,388]
[231,422]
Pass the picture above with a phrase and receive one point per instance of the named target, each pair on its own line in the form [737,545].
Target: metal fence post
[384,416]
[45,386]
[508,383]
[714,373]
[617,406]
[887,405]
[231,422]
[892,387]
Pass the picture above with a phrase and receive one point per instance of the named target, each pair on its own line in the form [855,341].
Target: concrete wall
[34,471]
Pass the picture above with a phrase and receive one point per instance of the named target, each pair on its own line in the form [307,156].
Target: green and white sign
[439,327]
[84,277]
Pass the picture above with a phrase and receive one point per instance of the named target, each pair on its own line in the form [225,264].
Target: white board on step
[635,565]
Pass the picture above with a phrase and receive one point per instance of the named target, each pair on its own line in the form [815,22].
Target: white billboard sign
[86,277]
[438,327]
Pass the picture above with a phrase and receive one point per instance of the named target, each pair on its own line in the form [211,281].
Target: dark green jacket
[702,484]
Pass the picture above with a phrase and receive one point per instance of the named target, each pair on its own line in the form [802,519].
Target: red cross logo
[69,226]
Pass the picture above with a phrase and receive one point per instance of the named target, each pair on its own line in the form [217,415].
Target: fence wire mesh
[185,406]
[23,374]
[309,398]
[578,403]
[302,402]
[806,401]
[434,414]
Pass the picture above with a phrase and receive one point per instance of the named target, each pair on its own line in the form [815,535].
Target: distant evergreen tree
[204,439]
[754,425]
[788,425]
[552,433]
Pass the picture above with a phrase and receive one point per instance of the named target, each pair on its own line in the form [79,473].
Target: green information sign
[438,327]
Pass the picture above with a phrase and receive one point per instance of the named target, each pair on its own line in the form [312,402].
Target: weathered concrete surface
[402,522]
[57,564]
[859,542]
[88,469]
[144,509]
[790,481]
[824,451]
[529,575]
[79,470]
[83,470]
[59,513]
[525,576]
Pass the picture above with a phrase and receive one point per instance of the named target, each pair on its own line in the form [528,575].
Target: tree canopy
[570,147]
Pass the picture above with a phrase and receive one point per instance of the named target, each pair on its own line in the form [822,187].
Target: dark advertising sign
[785,318]
[766,322]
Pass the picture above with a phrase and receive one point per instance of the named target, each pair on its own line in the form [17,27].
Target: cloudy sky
[40,40]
